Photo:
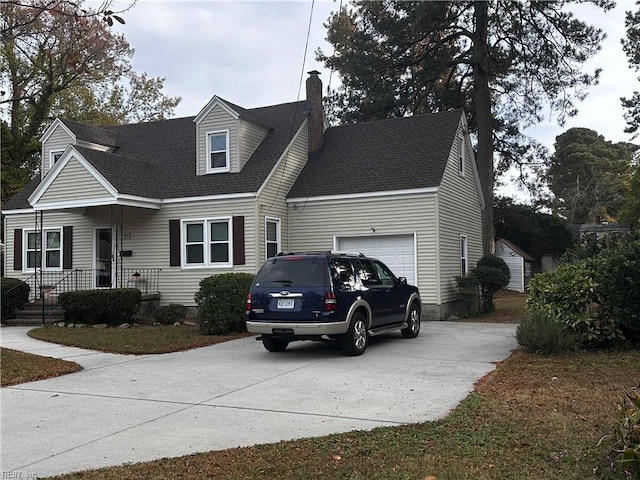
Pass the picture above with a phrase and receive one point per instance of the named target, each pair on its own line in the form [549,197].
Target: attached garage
[398,252]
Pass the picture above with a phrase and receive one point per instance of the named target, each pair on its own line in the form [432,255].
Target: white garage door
[395,251]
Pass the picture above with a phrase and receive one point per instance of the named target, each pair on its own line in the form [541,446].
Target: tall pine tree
[508,63]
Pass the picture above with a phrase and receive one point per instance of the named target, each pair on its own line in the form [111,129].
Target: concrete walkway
[132,408]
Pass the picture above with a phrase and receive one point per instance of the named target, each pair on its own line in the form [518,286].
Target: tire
[355,341]
[274,344]
[413,323]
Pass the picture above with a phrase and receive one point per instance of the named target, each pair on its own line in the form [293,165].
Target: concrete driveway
[125,408]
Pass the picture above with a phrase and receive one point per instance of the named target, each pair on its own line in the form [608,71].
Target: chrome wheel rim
[359,335]
[414,320]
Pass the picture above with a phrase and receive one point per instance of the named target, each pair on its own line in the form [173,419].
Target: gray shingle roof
[91,134]
[378,156]
[158,159]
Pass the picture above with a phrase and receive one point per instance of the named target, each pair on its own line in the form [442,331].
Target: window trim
[43,249]
[210,168]
[464,255]
[52,155]
[278,241]
[207,242]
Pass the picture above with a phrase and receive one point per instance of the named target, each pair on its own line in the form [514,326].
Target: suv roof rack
[325,252]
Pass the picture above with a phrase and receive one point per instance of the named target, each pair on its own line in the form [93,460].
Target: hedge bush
[492,274]
[569,293]
[468,296]
[616,272]
[112,306]
[15,293]
[170,314]
[221,303]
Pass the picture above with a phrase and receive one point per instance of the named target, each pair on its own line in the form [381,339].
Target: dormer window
[54,156]
[218,151]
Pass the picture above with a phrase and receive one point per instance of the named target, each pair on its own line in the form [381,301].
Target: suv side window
[367,273]
[342,273]
[385,274]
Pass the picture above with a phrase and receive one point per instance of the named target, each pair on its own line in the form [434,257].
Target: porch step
[31,314]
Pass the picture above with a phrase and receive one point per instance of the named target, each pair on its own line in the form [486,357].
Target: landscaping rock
[156,324]
[71,325]
[123,325]
[80,325]
[177,324]
[100,325]
[189,323]
[452,318]
[60,324]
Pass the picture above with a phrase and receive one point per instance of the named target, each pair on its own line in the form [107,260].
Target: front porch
[45,287]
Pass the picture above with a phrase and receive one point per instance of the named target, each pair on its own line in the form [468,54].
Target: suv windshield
[292,272]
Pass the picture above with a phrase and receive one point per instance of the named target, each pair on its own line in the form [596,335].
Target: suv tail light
[248,306]
[330,302]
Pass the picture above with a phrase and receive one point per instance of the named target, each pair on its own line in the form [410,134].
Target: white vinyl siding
[319,224]
[58,141]
[459,214]
[271,200]
[74,182]
[250,137]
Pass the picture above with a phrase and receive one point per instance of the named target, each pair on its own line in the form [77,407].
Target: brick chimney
[316,113]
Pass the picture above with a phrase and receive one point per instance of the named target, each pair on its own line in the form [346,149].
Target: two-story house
[162,205]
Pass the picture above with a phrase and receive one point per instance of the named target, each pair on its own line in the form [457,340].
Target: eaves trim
[365,196]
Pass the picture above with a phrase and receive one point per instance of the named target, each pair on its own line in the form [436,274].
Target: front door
[103,258]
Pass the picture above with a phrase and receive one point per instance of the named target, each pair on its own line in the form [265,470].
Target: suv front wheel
[413,323]
[355,341]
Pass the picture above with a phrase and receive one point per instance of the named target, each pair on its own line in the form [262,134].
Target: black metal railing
[49,285]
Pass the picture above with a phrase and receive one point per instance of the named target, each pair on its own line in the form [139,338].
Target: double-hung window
[50,248]
[207,242]
[272,236]
[464,264]
[218,151]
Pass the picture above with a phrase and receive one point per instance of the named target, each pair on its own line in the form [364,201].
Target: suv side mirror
[402,280]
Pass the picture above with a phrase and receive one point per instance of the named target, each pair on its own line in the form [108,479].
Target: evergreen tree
[503,61]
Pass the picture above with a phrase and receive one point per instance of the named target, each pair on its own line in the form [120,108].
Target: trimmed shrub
[468,296]
[492,274]
[170,314]
[113,306]
[221,303]
[569,293]
[15,293]
[617,274]
[544,334]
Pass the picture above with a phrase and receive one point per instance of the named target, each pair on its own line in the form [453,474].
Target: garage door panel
[396,251]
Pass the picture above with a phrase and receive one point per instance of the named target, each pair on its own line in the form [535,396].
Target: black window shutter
[238,240]
[17,249]
[174,243]
[67,247]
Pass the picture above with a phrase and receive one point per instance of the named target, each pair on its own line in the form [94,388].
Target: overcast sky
[251,53]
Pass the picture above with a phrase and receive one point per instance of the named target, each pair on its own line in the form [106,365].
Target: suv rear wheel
[274,344]
[355,341]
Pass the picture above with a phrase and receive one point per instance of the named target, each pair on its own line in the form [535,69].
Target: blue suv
[344,297]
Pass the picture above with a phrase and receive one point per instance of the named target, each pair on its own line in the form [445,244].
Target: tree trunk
[482,95]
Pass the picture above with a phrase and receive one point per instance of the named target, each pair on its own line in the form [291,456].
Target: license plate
[286,303]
